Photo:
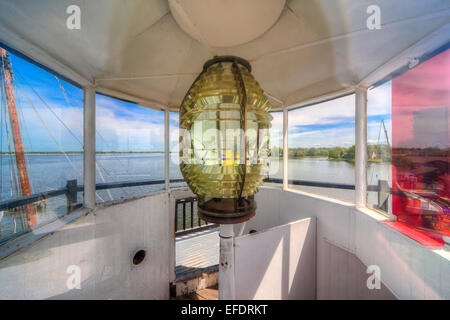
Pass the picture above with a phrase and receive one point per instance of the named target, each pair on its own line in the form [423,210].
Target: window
[174,148]
[321,153]
[276,147]
[421,145]
[379,139]
[130,148]
[408,147]
[41,144]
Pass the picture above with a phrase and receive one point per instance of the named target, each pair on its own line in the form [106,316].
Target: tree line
[377,153]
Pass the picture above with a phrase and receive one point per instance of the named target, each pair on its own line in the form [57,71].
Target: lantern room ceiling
[136,50]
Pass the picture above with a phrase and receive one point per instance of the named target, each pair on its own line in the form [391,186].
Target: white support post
[361,147]
[226,263]
[285,148]
[167,148]
[89,147]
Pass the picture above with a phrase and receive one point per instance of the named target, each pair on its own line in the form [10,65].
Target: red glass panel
[420,146]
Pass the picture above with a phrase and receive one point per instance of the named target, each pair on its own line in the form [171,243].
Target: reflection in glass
[41,146]
[420,141]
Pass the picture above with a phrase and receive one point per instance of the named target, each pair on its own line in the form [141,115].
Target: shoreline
[80,152]
[339,159]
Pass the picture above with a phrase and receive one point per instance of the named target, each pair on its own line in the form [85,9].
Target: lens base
[227,211]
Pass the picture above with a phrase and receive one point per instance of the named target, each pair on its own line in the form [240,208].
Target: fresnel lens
[224,139]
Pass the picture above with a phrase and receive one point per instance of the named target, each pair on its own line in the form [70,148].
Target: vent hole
[139,257]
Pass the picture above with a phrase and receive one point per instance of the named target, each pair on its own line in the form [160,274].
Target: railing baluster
[192,213]
[191,228]
[184,215]
[71,194]
[176,216]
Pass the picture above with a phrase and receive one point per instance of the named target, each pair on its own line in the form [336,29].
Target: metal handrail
[321,184]
[382,188]
[72,189]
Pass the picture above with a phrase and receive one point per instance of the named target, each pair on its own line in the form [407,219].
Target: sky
[56,121]
[121,126]
[331,123]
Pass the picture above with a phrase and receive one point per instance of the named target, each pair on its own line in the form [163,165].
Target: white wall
[267,212]
[102,243]
[349,240]
[277,263]
[410,270]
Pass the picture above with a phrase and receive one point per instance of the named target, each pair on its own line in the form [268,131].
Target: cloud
[379,100]
[120,126]
[126,127]
[344,137]
[331,123]
[45,129]
[324,113]
[325,124]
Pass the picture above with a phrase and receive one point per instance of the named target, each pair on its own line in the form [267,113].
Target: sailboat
[17,137]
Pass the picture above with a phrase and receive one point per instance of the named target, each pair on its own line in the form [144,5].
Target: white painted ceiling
[136,50]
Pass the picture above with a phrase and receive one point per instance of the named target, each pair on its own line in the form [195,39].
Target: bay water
[52,171]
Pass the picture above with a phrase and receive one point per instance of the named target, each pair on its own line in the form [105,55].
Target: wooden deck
[197,253]
[205,294]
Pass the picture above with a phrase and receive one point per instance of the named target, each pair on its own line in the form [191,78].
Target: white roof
[135,49]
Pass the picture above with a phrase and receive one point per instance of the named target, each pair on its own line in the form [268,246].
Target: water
[134,167]
[51,171]
[324,170]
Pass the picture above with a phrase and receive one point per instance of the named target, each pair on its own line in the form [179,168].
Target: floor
[205,294]
[197,252]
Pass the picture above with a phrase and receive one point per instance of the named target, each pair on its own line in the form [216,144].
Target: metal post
[71,194]
[176,216]
[226,263]
[384,191]
[167,148]
[89,147]
[285,149]
[192,213]
[361,147]
[184,215]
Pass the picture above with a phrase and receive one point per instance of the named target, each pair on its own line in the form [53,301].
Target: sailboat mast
[386,134]
[17,137]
